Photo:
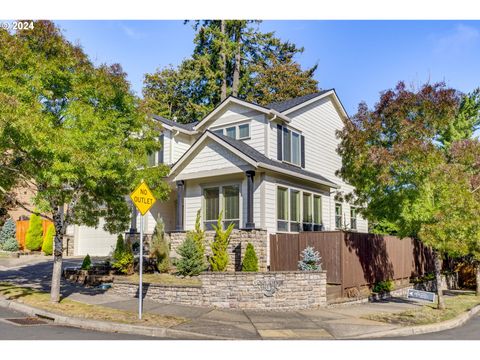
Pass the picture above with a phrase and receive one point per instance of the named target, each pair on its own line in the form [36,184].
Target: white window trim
[291,147]
[236,125]
[342,217]
[355,209]
[301,191]
[222,201]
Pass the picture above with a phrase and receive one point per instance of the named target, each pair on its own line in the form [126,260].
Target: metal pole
[140,285]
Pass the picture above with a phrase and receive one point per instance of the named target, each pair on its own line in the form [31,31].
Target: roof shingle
[188,126]
[282,106]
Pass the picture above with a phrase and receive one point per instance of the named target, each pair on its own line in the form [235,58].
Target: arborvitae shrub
[34,236]
[191,261]
[7,232]
[87,263]
[250,260]
[10,245]
[160,249]
[119,248]
[198,234]
[47,246]
[219,259]
[311,260]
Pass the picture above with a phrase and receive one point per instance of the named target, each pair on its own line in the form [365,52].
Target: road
[469,331]
[9,331]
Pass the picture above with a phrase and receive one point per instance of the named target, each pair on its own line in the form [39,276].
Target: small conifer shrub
[160,249]
[311,260]
[47,246]
[7,232]
[10,245]
[219,259]
[87,263]
[34,236]
[119,248]
[124,260]
[191,261]
[250,261]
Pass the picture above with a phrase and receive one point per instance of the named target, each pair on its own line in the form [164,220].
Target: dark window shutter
[279,142]
[160,153]
[302,150]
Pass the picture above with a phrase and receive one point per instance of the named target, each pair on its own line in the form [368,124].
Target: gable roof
[282,106]
[255,158]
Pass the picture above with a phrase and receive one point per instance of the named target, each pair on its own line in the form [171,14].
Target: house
[264,167]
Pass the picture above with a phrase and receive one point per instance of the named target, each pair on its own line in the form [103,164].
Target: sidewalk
[323,323]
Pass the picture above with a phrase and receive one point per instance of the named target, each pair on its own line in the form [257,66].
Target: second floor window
[237,132]
[338,216]
[156,157]
[291,146]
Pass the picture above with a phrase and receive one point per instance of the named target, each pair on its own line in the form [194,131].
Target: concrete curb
[422,329]
[105,326]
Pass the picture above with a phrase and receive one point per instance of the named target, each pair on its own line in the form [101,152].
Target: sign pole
[140,285]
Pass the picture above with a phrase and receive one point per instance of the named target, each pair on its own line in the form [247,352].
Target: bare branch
[11,198]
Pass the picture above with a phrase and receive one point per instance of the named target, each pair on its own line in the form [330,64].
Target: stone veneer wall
[262,290]
[238,243]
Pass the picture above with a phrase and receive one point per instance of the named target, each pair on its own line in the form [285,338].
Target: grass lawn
[163,279]
[428,314]
[40,299]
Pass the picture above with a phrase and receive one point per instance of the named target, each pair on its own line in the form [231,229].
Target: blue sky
[357,58]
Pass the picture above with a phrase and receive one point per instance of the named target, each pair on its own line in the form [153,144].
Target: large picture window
[298,210]
[225,199]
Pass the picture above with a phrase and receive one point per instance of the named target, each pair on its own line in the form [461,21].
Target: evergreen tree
[10,245]
[160,249]
[119,248]
[220,259]
[87,263]
[311,260]
[47,246]
[34,236]
[8,232]
[198,234]
[191,261]
[250,261]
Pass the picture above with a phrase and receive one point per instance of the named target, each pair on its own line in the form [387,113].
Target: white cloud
[460,39]
[131,32]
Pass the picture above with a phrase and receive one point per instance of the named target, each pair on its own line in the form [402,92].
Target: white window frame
[288,220]
[223,129]
[291,147]
[221,201]
[341,216]
[355,210]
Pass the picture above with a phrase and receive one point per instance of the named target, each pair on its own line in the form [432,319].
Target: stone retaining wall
[236,249]
[240,290]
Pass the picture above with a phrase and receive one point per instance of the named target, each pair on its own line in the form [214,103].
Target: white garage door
[94,241]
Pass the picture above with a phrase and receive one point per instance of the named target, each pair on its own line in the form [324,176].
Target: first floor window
[307,218]
[212,206]
[231,206]
[282,209]
[317,213]
[294,210]
[338,216]
[353,218]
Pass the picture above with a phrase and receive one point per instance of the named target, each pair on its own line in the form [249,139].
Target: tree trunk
[437,259]
[223,94]
[57,255]
[477,277]
[236,70]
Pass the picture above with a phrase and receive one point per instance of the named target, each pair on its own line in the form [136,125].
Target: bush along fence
[22,228]
[353,260]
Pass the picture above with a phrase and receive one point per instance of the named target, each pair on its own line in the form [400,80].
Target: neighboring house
[264,167]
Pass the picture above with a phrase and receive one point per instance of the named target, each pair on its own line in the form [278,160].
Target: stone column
[250,175]
[180,197]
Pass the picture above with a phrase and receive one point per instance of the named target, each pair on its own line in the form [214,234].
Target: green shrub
[47,246]
[34,236]
[191,261]
[10,245]
[250,260]
[119,248]
[87,263]
[383,286]
[219,259]
[124,262]
[199,234]
[311,260]
[8,232]
[160,249]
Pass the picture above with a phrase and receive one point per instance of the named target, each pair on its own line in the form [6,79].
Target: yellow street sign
[143,198]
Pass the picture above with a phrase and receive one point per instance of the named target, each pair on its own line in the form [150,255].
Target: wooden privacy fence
[353,259]
[22,227]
